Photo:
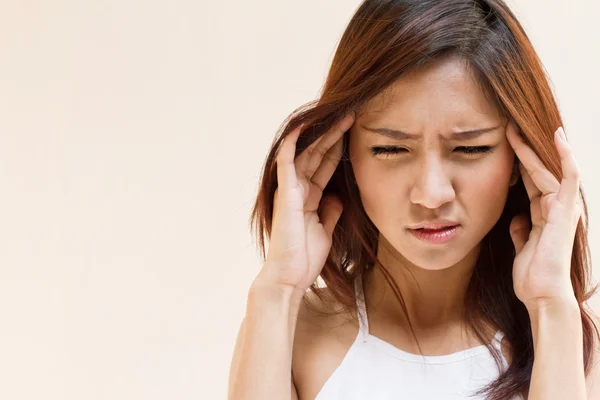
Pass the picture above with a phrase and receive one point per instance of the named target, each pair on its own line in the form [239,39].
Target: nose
[432,187]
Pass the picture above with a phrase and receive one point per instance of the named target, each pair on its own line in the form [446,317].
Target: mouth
[436,236]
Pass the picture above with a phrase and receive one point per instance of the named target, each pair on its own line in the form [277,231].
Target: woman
[432,192]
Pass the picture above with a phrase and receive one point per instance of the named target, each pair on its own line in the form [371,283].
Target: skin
[433,176]
[431,179]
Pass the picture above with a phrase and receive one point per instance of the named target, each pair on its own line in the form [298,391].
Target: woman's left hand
[542,266]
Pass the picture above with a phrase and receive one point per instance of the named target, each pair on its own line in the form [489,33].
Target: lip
[435,224]
[436,236]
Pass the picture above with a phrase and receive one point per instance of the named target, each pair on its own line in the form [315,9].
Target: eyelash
[468,150]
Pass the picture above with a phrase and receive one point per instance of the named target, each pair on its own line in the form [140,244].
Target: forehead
[442,96]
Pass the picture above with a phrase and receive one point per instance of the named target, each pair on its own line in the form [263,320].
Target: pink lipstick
[436,236]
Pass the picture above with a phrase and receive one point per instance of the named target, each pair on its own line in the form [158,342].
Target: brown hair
[384,40]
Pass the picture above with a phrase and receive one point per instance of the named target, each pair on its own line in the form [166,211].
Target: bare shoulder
[324,333]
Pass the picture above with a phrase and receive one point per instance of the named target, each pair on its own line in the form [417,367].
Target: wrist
[264,289]
[556,319]
[558,306]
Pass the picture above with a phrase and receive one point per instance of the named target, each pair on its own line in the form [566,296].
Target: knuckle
[320,151]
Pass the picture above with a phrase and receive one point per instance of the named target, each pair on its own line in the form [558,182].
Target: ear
[515,173]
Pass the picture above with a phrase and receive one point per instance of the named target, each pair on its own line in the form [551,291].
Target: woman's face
[432,175]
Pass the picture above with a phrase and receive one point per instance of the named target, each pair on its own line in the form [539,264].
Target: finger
[537,215]
[519,231]
[330,162]
[541,177]
[532,190]
[329,139]
[569,185]
[286,169]
[539,202]
[331,210]
[545,206]
[304,157]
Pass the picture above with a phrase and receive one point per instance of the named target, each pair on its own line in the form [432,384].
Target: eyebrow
[399,135]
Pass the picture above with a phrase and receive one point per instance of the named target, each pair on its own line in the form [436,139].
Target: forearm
[558,368]
[264,367]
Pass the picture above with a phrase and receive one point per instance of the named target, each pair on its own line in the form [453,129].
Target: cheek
[482,189]
[500,170]
[495,179]
[376,187]
[371,185]
[488,185]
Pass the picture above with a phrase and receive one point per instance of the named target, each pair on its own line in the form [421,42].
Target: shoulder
[321,319]
[324,333]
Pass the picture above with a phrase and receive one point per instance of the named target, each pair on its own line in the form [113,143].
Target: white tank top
[375,369]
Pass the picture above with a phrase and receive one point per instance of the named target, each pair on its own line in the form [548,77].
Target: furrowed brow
[400,135]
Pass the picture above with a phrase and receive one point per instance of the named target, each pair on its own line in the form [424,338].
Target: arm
[542,270]
[302,219]
[261,367]
[558,369]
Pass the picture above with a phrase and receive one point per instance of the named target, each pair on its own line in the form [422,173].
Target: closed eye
[468,150]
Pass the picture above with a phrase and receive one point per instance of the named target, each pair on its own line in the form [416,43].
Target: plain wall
[132,134]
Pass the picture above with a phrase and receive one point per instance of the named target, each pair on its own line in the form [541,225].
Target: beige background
[132,134]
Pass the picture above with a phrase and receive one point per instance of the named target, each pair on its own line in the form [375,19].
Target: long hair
[385,40]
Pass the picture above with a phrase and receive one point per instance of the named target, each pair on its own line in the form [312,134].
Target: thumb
[331,210]
[519,231]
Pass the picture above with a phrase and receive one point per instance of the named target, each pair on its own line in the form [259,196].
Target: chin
[431,264]
[431,257]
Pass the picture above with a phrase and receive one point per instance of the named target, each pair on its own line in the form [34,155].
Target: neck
[434,298]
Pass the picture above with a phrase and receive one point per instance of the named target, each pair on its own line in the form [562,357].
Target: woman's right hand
[303,220]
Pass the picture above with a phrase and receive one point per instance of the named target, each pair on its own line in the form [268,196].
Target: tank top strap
[497,341]
[363,321]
